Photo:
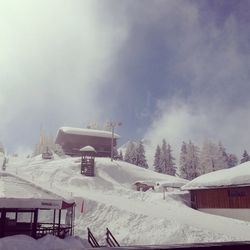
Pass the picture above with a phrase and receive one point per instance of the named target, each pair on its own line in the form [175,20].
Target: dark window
[236,193]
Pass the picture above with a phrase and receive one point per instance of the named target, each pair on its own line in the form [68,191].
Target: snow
[235,176]
[2,156]
[89,132]
[134,218]
[48,242]
[17,192]
[87,149]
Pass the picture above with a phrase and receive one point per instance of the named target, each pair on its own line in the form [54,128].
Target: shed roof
[88,132]
[16,192]
[233,177]
[87,149]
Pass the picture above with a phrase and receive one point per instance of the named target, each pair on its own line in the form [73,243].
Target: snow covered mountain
[133,217]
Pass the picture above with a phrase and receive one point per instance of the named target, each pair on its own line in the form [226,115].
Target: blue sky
[177,69]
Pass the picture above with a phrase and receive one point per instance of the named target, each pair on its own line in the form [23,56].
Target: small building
[144,185]
[88,161]
[224,192]
[30,210]
[73,139]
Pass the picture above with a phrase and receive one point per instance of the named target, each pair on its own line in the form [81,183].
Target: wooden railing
[48,228]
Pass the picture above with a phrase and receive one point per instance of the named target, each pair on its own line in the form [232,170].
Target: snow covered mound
[24,242]
[239,175]
[135,218]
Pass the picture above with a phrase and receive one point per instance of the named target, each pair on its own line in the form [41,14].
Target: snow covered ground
[133,217]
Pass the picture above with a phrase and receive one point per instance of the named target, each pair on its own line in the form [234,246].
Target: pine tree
[140,156]
[222,158]
[157,160]
[121,156]
[192,160]
[245,157]
[167,164]
[163,157]
[130,154]
[127,152]
[183,165]
[232,160]
[213,158]
[207,159]
[171,169]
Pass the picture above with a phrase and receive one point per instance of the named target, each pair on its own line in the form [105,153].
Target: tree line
[193,161]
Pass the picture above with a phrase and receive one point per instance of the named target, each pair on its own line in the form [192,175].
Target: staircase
[110,239]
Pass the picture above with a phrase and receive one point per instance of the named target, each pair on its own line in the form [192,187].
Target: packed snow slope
[133,217]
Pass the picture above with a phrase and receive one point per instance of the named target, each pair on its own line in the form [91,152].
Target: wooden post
[59,223]
[54,221]
[34,225]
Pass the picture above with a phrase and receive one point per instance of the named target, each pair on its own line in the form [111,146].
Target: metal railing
[92,240]
[110,239]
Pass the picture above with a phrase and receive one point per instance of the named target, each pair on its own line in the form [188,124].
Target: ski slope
[133,217]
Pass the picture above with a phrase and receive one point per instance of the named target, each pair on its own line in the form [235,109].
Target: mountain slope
[134,217]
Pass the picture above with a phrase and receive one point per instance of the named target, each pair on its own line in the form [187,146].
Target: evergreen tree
[140,156]
[157,160]
[222,157]
[183,165]
[121,156]
[189,161]
[167,164]
[232,160]
[130,154]
[208,156]
[171,169]
[163,157]
[213,157]
[245,157]
[192,161]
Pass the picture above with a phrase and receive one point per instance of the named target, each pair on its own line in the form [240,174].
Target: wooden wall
[72,143]
[235,197]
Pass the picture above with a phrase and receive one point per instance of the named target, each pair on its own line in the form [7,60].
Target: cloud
[54,57]
[214,101]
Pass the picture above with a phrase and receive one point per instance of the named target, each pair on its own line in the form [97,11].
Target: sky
[173,69]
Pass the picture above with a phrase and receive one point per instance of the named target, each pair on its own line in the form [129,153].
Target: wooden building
[30,210]
[73,139]
[88,161]
[225,192]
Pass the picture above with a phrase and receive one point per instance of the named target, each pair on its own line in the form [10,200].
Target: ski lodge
[73,139]
[224,192]
[30,210]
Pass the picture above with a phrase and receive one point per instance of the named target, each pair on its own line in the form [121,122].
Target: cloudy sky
[177,69]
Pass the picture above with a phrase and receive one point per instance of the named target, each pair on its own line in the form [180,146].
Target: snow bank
[24,242]
[236,176]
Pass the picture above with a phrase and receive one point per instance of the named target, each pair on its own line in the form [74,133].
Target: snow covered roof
[89,132]
[173,184]
[16,192]
[236,176]
[87,149]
